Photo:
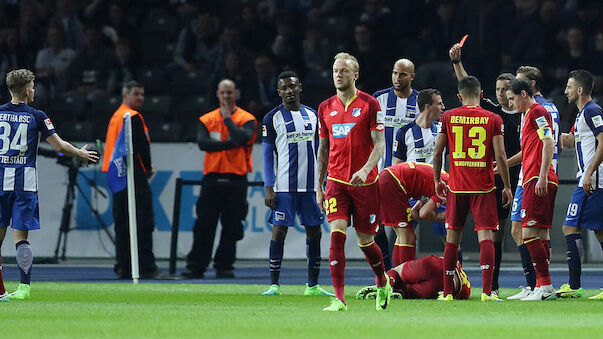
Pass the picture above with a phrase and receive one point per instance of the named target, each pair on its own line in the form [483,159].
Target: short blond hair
[18,79]
[346,56]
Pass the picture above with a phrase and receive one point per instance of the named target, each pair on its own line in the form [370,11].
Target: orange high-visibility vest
[237,160]
[115,125]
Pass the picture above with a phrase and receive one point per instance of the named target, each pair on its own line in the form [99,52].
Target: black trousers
[224,198]
[145,221]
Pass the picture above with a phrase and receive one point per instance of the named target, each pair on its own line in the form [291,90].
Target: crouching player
[422,279]
[398,184]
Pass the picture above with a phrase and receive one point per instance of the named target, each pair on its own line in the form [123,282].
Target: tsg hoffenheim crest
[356,112]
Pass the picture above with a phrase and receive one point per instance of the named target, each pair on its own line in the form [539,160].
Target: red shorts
[395,209]
[537,211]
[362,203]
[482,207]
[422,278]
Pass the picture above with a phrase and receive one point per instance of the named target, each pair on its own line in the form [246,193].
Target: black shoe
[225,274]
[192,274]
[151,275]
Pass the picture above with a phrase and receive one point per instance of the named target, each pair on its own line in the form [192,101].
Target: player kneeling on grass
[422,279]
[398,184]
[22,127]
[289,131]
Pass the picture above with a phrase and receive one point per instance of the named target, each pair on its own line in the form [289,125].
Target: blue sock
[24,260]
[528,266]
[460,257]
[276,258]
[574,245]
[313,254]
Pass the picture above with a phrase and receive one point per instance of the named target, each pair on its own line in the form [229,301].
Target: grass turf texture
[239,311]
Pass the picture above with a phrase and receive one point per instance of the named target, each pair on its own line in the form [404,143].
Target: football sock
[395,280]
[486,261]
[2,289]
[450,258]
[276,258]
[538,254]
[24,260]
[460,256]
[337,263]
[574,243]
[313,253]
[528,266]
[497,259]
[547,249]
[373,255]
[383,243]
[403,253]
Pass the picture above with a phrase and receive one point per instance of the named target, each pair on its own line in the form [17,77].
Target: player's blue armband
[268,149]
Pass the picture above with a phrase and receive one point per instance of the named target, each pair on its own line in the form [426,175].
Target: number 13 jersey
[20,129]
[469,131]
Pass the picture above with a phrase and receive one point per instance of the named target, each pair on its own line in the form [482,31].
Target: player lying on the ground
[398,184]
[422,279]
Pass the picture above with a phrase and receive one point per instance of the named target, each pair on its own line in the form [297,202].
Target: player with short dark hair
[289,131]
[351,144]
[584,209]
[22,127]
[539,183]
[474,137]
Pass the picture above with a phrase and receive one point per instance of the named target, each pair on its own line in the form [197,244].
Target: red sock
[450,257]
[373,255]
[395,280]
[2,289]
[538,254]
[403,253]
[547,249]
[337,263]
[486,261]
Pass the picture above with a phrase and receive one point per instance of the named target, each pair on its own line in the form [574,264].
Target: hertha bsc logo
[278,215]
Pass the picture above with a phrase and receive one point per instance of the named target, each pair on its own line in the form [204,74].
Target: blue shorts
[585,210]
[517,200]
[302,204]
[439,228]
[21,208]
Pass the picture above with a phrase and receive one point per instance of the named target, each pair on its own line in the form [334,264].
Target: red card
[463,40]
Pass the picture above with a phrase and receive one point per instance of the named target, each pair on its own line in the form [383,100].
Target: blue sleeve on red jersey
[593,115]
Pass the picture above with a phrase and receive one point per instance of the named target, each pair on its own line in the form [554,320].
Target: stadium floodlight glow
[131,199]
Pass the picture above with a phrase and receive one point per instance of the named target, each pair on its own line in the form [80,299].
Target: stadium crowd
[82,51]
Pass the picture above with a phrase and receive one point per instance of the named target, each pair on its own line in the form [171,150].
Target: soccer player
[398,185]
[290,132]
[512,123]
[422,279]
[22,127]
[584,209]
[539,182]
[351,144]
[475,137]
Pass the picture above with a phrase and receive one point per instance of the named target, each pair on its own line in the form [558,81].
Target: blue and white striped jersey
[552,109]
[414,143]
[589,123]
[397,112]
[294,137]
[20,129]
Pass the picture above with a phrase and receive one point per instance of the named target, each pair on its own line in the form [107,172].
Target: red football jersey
[537,125]
[416,179]
[470,130]
[348,128]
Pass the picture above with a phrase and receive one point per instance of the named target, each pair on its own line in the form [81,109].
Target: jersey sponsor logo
[342,130]
[299,136]
[597,121]
[380,117]
[278,215]
[334,113]
[396,121]
[264,131]
[541,122]
[356,112]
[49,124]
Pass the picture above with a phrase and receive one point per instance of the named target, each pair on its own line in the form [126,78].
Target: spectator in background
[230,41]
[317,50]
[255,34]
[13,55]
[123,69]
[197,43]
[573,56]
[438,36]
[52,63]
[117,26]
[379,17]
[90,69]
[66,15]
[549,32]
[372,59]
[286,46]
[32,17]
[264,85]
[234,69]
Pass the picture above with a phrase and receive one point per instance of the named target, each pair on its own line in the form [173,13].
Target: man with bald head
[399,106]
[226,134]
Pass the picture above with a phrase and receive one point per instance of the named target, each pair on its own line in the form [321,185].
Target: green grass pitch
[79,310]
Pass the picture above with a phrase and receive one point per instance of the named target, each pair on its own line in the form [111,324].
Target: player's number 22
[330,205]
[477,135]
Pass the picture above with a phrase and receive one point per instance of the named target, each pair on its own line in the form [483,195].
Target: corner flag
[117,173]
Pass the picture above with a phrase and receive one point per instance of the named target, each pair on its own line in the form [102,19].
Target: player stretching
[422,279]
[289,130]
[539,182]
[398,185]
[351,143]
[585,206]
[473,135]
[22,127]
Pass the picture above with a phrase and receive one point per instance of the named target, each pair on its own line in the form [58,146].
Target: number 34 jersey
[469,130]
[20,129]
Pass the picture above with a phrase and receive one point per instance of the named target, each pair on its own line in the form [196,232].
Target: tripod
[73,171]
